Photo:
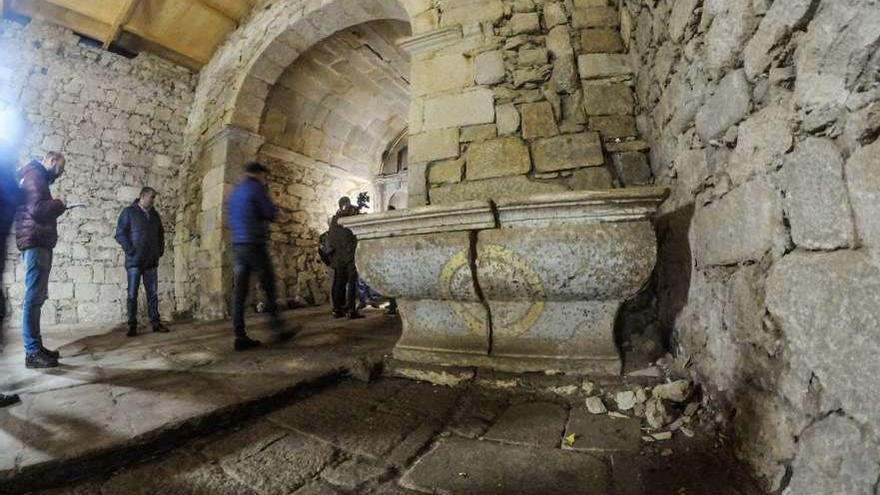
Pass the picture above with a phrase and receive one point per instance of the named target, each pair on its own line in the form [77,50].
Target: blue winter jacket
[249,211]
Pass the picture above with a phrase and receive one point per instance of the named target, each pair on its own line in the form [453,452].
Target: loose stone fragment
[677,391]
[663,435]
[625,400]
[655,413]
[596,406]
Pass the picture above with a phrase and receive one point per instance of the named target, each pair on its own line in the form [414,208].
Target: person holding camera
[342,245]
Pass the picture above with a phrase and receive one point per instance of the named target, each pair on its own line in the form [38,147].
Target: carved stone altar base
[518,286]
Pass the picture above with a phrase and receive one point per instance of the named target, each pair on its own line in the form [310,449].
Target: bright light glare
[11,127]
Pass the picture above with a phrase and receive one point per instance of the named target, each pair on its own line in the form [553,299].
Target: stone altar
[523,285]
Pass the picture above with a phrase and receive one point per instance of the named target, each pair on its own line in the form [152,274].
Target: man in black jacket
[343,244]
[139,231]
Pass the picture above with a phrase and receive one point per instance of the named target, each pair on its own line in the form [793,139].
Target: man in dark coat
[140,233]
[250,212]
[343,244]
[9,200]
[36,234]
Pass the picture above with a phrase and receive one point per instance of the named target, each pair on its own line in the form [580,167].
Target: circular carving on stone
[508,268]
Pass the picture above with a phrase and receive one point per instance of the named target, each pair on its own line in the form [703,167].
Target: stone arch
[223,128]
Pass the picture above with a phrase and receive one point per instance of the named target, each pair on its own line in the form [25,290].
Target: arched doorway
[230,117]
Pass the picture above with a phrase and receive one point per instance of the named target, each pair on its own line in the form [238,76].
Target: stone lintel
[475,215]
[432,40]
[613,205]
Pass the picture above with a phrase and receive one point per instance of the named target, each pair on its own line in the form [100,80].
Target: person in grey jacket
[140,233]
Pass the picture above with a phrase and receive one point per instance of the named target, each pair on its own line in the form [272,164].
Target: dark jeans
[2,292]
[37,265]
[247,259]
[151,287]
[345,288]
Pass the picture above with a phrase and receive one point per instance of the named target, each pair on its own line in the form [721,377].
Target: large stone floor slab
[463,466]
[112,392]
[602,433]
[334,443]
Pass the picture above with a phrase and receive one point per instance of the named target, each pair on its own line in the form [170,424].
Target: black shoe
[391,312]
[50,352]
[160,328]
[39,360]
[132,331]
[339,314]
[361,306]
[8,399]
[354,315]
[245,343]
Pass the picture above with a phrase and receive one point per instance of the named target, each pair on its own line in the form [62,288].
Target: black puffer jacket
[342,243]
[141,236]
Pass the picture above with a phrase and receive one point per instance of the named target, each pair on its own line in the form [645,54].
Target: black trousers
[247,259]
[3,236]
[345,288]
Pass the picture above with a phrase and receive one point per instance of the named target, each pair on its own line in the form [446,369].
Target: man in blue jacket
[250,212]
[9,201]
[140,233]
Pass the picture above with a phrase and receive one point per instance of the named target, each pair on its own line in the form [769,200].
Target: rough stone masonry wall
[119,121]
[763,118]
[535,96]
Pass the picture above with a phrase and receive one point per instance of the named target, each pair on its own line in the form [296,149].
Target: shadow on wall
[645,322]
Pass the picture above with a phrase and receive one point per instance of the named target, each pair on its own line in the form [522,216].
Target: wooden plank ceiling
[184,31]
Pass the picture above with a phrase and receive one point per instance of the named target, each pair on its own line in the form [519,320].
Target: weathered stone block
[730,104]
[762,141]
[524,23]
[608,99]
[727,35]
[614,126]
[835,456]
[446,171]
[489,68]
[601,65]
[743,225]
[467,108]
[498,188]
[472,11]
[433,145]
[476,133]
[534,56]
[682,13]
[863,181]
[497,158]
[816,200]
[601,41]
[554,14]
[559,42]
[457,70]
[779,21]
[538,120]
[824,302]
[632,168]
[590,178]
[508,119]
[595,17]
[567,152]
[564,77]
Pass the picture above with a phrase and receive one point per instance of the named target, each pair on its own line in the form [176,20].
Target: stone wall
[120,122]
[306,193]
[536,97]
[763,118]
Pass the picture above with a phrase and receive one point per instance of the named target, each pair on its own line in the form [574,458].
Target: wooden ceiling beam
[122,17]
[36,9]
[217,8]
[166,43]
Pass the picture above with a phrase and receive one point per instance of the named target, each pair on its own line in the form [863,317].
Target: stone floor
[404,437]
[113,394]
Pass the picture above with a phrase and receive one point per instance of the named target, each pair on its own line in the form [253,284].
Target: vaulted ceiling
[184,31]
